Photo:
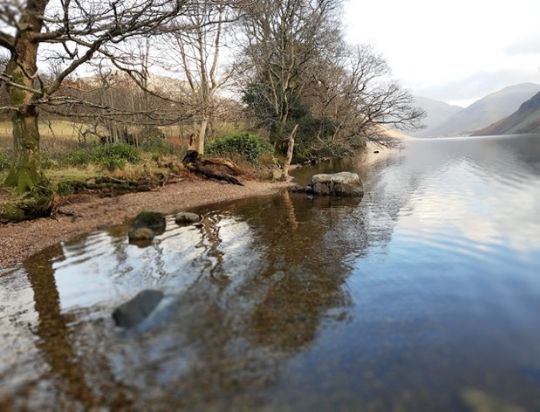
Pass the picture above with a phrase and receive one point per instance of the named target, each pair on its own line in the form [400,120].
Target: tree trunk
[25,173]
[202,135]
[290,152]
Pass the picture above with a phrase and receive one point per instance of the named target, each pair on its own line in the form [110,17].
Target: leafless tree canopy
[299,70]
[109,65]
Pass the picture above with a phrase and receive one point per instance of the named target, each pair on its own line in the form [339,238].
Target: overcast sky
[456,51]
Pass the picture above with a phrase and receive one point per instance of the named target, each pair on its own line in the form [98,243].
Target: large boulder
[134,311]
[337,184]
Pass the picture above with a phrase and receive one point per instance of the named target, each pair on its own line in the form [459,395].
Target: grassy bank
[73,166]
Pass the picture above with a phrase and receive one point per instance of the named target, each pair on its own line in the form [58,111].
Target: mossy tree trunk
[25,92]
[25,174]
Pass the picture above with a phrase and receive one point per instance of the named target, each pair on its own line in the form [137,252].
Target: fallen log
[106,186]
[214,168]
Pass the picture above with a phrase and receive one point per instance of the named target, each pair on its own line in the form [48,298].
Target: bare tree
[301,71]
[71,33]
[355,91]
[283,37]
[198,53]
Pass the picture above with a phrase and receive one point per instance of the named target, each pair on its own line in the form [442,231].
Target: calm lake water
[424,296]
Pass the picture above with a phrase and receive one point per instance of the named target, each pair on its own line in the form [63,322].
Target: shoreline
[370,158]
[88,213]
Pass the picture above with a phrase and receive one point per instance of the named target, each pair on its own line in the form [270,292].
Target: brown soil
[85,213]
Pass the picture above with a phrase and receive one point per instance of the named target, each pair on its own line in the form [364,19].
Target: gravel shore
[88,213]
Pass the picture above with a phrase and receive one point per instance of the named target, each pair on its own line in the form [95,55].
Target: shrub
[115,156]
[46,161]
[109,156]
[5,162]
[249,146]
[80,157]
[159,146]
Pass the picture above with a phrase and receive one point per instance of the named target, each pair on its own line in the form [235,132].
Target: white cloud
[430,44]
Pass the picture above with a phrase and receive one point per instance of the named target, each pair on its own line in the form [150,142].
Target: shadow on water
[422,296]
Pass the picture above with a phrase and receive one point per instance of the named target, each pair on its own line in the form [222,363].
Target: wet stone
[150,220]
[187,218]
[143,234]
[337,184]
[134,311]
[297,189]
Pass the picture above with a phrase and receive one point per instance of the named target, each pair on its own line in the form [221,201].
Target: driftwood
[215,168]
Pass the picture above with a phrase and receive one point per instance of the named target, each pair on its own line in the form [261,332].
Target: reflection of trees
[305,272]
[52,330]
[211,242]
[286,277]
[55,340]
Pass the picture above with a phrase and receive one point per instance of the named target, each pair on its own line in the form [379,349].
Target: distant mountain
[486,111]
[525,120]
[437,112]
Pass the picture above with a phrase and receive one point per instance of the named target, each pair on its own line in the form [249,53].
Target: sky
[456,51]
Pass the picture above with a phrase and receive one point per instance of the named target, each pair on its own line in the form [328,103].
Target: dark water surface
[424,296]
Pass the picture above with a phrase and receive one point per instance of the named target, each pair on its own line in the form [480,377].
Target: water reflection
[423,296]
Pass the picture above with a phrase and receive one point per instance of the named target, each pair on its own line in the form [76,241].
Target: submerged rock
[142,234]
[134,311]
[338,184]
[146,226]
[187,218]
[151,220]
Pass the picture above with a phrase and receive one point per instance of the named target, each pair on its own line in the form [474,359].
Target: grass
[66,159]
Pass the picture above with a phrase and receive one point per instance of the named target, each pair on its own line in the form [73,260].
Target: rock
[186,218]
[142,234]
[338,184]
[150,220]
[297,189]
[134,311]
[376,152]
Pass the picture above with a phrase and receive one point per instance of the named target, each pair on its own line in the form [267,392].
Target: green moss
[11,179]
[11,212]
[27,179]
[17,95]
[37,202]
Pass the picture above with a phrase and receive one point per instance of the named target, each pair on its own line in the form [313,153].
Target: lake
[424,295]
